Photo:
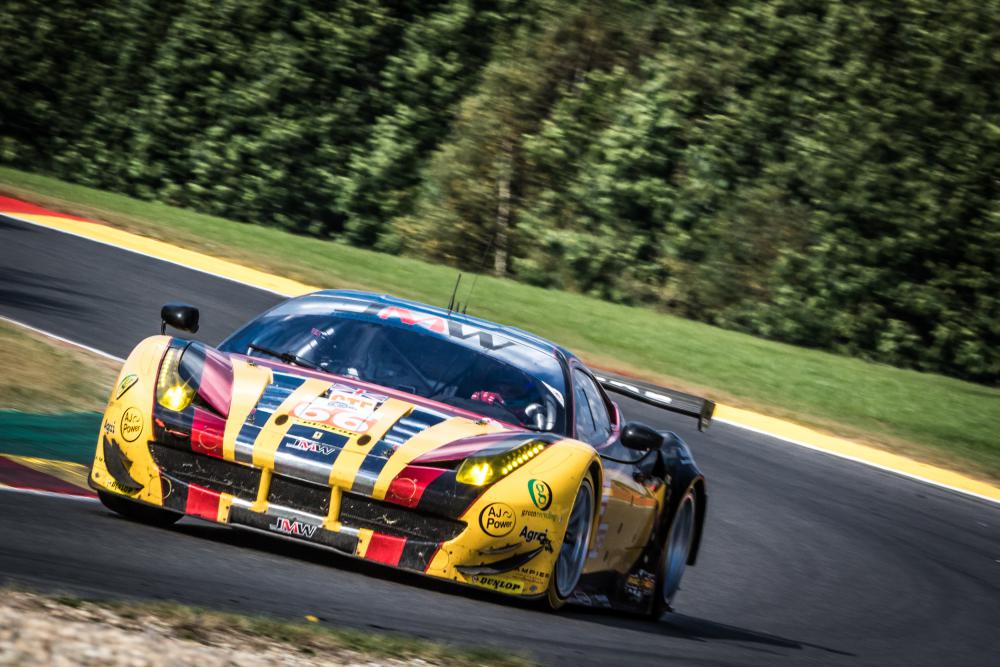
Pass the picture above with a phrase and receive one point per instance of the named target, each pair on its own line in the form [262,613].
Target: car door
[628,506]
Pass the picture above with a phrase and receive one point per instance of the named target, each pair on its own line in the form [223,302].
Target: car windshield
[506,381]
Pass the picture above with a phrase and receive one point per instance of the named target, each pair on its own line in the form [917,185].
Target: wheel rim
[573,553]
[678,548]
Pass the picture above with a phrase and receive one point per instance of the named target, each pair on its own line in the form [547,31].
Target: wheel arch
[701,505]
[596,473]
[686,476]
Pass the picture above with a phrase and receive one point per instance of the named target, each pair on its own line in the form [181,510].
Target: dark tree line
[823,173]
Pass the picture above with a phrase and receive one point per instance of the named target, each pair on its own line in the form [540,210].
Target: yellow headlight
[479,474]
[480,471]
[177,397]
[171,391]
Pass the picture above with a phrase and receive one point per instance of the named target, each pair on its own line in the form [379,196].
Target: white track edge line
[265,289]
[848,457]
[47,494]
[74,343]
[149,255]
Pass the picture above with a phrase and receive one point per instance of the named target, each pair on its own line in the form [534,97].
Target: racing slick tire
[575,546]
[674,555]
[135,511]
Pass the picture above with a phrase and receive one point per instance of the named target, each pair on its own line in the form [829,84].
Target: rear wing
[701,409]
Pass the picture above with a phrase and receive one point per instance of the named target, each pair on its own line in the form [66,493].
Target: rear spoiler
[701,409]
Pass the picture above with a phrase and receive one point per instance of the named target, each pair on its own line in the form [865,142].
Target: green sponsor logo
[126,384]
[541,493]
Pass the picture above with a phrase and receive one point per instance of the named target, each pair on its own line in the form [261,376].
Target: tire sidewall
[552,597]
[660,604]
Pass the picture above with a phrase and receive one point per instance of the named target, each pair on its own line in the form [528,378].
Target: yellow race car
[412,436]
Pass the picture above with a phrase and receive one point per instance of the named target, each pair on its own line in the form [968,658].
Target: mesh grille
[397,521]
[209,472]
[355,511]
[298,495]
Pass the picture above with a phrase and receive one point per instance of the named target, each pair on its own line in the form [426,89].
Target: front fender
[122,463]
[537,500]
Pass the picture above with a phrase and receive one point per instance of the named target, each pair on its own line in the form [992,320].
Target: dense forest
[819,172]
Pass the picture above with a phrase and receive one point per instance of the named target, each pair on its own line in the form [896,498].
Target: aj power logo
[497,519]
[130,425]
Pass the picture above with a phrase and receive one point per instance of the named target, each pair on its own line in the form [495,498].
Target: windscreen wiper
[287,357]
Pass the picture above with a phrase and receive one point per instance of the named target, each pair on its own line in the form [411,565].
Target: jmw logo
[309,446]
[293,527]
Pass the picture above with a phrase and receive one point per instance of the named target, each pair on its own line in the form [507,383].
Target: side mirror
[636,435]
[179,316]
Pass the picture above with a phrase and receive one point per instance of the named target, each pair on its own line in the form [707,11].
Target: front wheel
[136,511]
[674,555]
[573,553]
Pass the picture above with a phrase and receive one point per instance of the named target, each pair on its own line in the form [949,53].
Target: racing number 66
[343,418]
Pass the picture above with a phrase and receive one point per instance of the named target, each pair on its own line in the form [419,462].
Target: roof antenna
[451,304]
[468,298]
[482,266]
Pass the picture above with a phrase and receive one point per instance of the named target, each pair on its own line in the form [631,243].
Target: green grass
[314,638]
[934,418]
[41,376]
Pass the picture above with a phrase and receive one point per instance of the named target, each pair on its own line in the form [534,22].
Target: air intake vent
[207,471]
[395,520]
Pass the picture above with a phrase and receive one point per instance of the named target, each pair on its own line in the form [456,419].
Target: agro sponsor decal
[501,585]
[130,425]
[293,527]
[109,428]
[126,384]
[497,519]
[540,536]
[342,408]
[541,494]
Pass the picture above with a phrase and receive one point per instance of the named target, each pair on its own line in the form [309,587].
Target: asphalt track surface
[807,559]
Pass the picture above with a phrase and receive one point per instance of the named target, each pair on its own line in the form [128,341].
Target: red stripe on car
[386,549]
[207,431]
[472,445]
[409,485]
[216,385]
[202,502]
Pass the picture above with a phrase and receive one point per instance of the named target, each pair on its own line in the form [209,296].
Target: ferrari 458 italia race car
[412,436]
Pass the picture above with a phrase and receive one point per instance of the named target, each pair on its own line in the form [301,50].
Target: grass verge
[308,637]
[931,417]
[41,375]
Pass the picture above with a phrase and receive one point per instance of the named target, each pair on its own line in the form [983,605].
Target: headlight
[172,392]
[483,470]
